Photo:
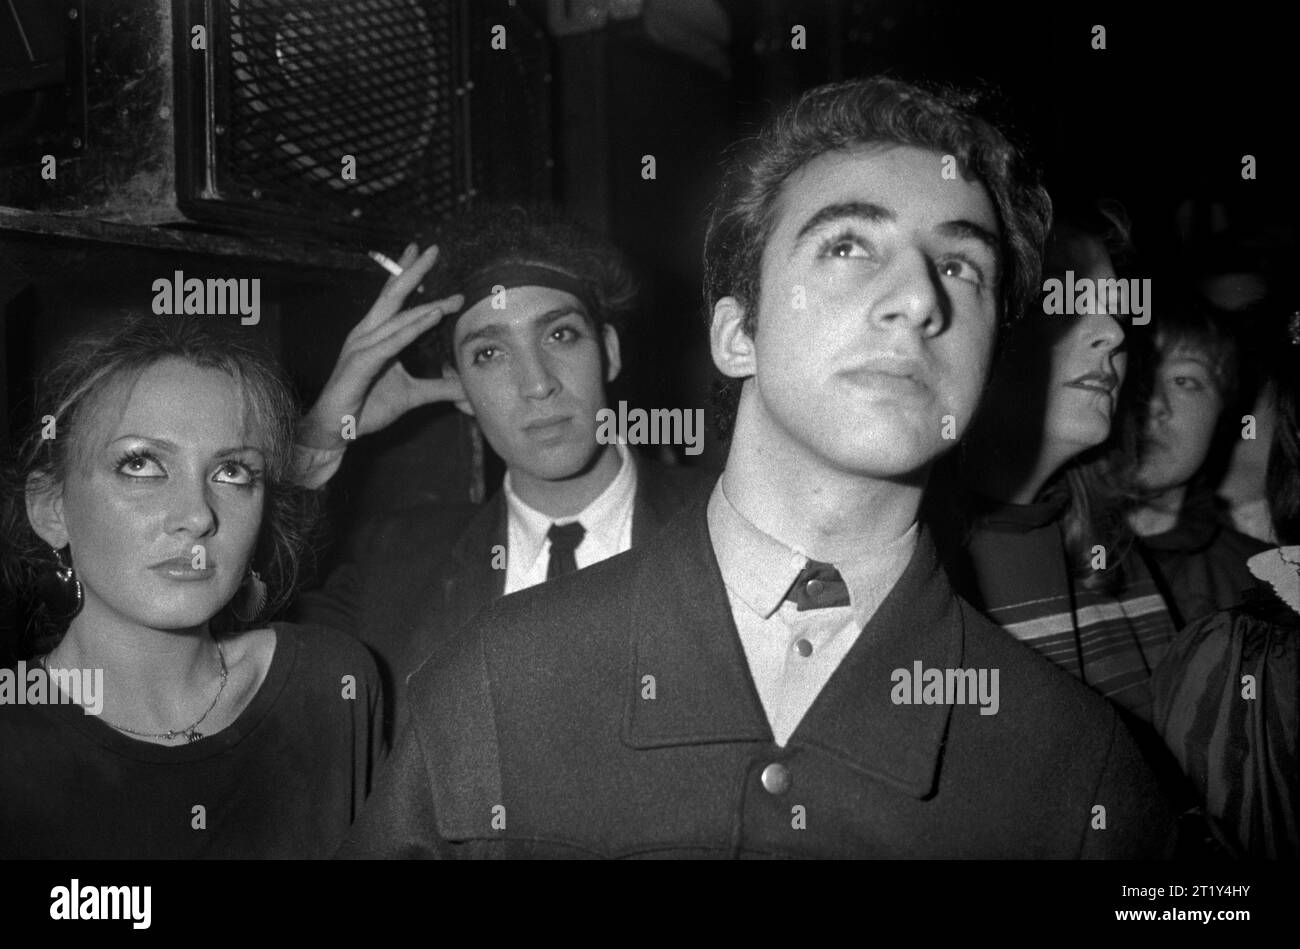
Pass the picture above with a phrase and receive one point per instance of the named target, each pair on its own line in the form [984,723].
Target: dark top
[285,779]
[611,712]
[1235,737]
[419,575]
[1201,561]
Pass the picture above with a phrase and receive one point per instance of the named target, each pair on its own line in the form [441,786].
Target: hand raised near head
[368,383]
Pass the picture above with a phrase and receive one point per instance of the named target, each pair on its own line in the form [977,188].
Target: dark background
[1159,119]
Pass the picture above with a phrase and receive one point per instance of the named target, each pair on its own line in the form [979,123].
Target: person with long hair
[1037,538]
[149,511]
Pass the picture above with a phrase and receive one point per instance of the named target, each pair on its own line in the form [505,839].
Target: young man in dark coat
[528,357]
[784,670]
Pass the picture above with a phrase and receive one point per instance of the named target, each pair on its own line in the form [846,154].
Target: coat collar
[472,583]
[660,493]
[684,635]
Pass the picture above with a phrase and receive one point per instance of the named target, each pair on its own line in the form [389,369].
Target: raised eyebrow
[559,313]
[172,447]
[493,331]
[1198,360]
[162,443]
[240,449]
[497,331]
[846,210]
[969,230]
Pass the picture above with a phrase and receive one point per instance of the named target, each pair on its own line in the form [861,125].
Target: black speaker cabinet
[325,118]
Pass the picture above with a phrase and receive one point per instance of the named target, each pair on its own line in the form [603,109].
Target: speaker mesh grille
[313,81]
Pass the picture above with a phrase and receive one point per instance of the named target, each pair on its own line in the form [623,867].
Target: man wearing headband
[528,354]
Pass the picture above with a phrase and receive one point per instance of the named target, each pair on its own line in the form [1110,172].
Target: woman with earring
[151,512]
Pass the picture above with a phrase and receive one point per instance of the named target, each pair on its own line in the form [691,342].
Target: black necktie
[565,539]
[818,585]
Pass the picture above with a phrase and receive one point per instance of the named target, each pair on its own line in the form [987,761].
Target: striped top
[1019,575]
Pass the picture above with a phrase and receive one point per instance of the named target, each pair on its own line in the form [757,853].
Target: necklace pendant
[192,736]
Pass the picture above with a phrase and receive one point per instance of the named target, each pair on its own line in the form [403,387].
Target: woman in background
[1228,693]
[1038,543]
[1185,424]
[150,511]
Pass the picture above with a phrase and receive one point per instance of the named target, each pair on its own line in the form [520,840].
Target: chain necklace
[190,733]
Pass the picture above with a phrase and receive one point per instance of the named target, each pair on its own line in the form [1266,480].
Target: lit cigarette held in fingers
[392,266]
[386,262]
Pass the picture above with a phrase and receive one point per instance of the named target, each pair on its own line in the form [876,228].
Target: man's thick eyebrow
[498,330]
[969,230]
[863,210]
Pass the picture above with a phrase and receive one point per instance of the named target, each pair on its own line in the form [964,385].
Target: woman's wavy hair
[1093,488]
[879,111]
[1098,484]
[68,388]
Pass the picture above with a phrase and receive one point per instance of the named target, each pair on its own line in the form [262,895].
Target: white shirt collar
[603,519]
[759,569]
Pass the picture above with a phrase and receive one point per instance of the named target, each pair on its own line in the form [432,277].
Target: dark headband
[483,284]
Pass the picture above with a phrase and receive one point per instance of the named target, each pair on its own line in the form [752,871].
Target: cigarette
[386,262]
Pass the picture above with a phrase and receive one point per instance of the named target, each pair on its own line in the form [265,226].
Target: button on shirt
[607,519]
[793,654]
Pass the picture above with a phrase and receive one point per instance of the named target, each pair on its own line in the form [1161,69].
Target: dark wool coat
[611,713]
[421,574]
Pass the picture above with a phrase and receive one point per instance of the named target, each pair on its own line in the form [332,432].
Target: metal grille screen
[313,81]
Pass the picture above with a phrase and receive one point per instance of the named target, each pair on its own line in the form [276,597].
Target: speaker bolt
[257,193]
[219,129]
[72,13]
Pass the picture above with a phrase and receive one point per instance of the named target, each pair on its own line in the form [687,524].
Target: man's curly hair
[493,235]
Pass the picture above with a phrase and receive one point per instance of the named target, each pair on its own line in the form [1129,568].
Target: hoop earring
[250,601]
[59,588]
